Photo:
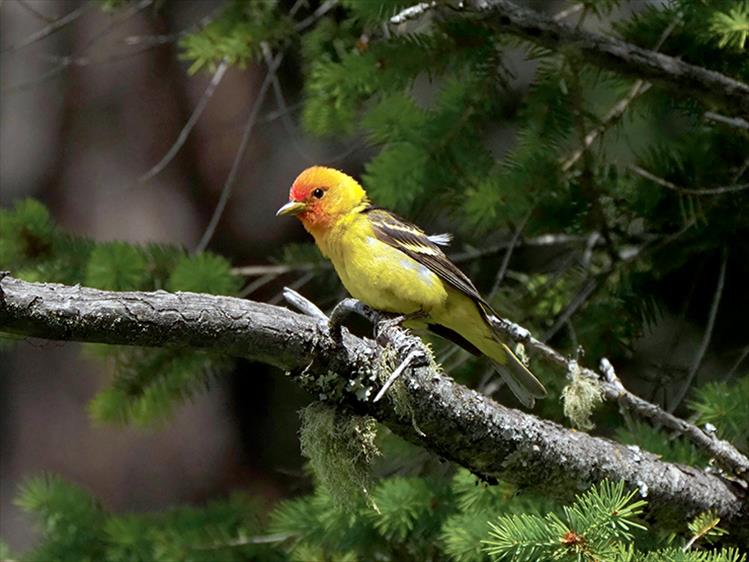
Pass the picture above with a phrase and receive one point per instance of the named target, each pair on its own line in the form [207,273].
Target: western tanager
[393,266]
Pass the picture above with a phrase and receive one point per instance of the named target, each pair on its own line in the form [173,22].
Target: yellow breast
[376,273]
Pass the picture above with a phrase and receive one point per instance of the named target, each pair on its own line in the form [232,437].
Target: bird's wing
[412,241]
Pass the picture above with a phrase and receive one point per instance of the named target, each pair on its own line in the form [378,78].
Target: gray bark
[608,52]
[447,418]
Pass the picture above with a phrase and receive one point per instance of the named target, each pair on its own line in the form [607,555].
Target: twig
[36,13]
[723,452]
[412,12]
[261,281]
[255,270]
[617,111]
[324,8]
[544,240]
[245,541]
[303,304]
[396,373]
[744,354]
[66,62]
[567,12]
[697,362]
[720,190]
[344,309]
[231,178]
[508,254]
[573,306]
[48,30]
[157,40]
[185,132]
[298,284]
[737,122]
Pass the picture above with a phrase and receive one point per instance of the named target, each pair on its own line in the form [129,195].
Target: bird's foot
[384,325]
[343,309]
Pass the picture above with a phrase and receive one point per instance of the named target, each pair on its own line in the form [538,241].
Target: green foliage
[204,273]
[69,518]
[705,526]
[732,27]
[596,526]
[33,248]
[726,406]
[150,383]
[412,518]
[74,527]
[235,36]
[116,266]
[670,448]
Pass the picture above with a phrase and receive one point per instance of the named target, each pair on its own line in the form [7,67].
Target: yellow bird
[393,266]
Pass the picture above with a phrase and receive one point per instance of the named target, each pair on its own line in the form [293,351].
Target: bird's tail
[524,385]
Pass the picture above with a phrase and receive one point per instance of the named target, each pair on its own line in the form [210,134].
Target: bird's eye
[318,193]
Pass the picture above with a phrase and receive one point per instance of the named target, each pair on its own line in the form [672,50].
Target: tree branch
[453,421]
[605,51]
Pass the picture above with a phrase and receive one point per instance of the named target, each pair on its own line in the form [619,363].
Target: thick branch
[449,419]
[612,53]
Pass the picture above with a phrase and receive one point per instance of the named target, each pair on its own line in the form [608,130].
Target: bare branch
[53,27]
[707,336]
[508,254]
[719,190]
[185,132]
[723,452]
[36,13]
[239,156]
[736,122]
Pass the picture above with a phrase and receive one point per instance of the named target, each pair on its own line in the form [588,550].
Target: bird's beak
[291,208]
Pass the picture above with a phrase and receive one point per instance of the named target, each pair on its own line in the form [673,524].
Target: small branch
[618,110]
[239,156]
[324,8]
[508,254]
[613,115]
[707,336]
[185,132]
[36,13]
[723,452]
[643,173]
[303,304]
[582,296]
[395,374]
[47,30]
[736,122]
[412,12]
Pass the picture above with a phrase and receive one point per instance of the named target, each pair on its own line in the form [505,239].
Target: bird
[393,266]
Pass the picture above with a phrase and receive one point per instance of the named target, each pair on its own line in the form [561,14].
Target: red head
[319,196]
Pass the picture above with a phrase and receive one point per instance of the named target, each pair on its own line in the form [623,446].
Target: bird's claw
[384,325]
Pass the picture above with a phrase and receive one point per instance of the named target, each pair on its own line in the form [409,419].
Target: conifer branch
[609,52]
[453,421]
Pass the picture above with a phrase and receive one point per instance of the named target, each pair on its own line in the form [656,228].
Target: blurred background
[85,112]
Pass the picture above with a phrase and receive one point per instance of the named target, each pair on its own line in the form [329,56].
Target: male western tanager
[393,266]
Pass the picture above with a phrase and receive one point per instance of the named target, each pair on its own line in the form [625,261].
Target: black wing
[412,241]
